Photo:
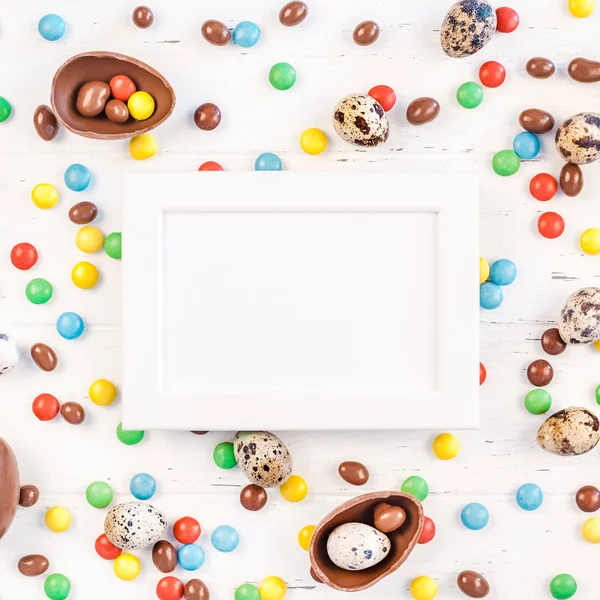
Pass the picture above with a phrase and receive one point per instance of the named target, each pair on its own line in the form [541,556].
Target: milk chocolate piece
[207,116]
[73,413]
[28,496]
[33,565]
[535,120]
[142,17]
[571,180]
[388,518]
[44,357]
[354,473]
[216,33]
[422,111]
[103,66]
[293,13]
[253,497]
[540,68]
[92,98]
[195,590]
[117,111]
[9,486]
[584,70]
[83,213]
[540,373]
[366,33]
[164,556]
[552,343]
[588,499]
[45,123]
[473,584]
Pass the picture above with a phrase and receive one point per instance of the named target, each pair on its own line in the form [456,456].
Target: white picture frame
[268,301]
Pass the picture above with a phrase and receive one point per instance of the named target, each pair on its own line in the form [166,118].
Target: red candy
[106,549]
[186,530]
[45,407]
[482,374]
[122,87]
[23,256]
[385,95]
[169,588]
[508,19]
[428,532]
[210,165]
[551,225]
[543,187]
[492,74]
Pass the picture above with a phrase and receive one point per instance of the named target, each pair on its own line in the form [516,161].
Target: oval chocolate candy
[366,33]
[44,357]
[584,70]
[540,68]
[45,123]
[571,180]
[164,556]
[473,584]
[73,413]
[33,565]
[83,213]
[9,486]
[28,496]
[117,111]
[293,13]
[92,98]
[195,589]
[216,33]
[536,120]
[422,111]
[354,473]
[388,518]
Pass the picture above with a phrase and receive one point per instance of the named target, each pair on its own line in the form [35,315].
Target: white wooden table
[518,552]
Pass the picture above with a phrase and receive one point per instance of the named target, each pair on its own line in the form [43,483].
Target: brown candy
[552,343]
[142,17]
[540,373]
[422,111]
[207,116]
[164,556]
[44,357]
[33,565]
[9,484]
[540,68]
[571,180]
[354,473]
[117,111]
[216,33]
[473,584]
[72,413]
[195,590]
[388,518]
[588,499]
[45,123]
[535,120]
[83,213]
[28,496]
[293,13]
[199,432]
[584,70]
[366,33]
[92,98]
[253,497]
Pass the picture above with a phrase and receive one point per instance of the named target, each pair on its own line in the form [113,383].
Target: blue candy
[225,538]
[70,325]
[77,177]
[190,557]
[526,145]
[530,496]
[246,34]
[142,486]
[503,272]
[51,27]
[491,296]
[474,516]
[268,161]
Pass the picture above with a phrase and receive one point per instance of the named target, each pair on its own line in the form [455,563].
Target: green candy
[598,394]
[282,76]
[5,109]
[469,95]
[129,437]
[112,245]
[563,586]
[416,486]
[506,163]
[538,402]
[247,591]
[38,291]
[224,456]
[99,494]
[57,587]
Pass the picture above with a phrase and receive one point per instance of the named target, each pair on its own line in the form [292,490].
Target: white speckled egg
[263,458]
[580,317]
[578,138]
[357,546]
[469,25]
[132,525]
[9,353]
[360,120]
[570,432]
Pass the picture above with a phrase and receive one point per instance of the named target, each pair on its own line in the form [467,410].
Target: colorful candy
[58,519]
[482,374]
[267,161]
[428,531]
[538,402]
[492,74]
[469,95]
[484,270]
[169,588]
[102,392]
[294,489]
[38,291]
[129,437]
[591,531]
[70,325]
[530,496]
[99,494]
[246,34]
[57,587]
[503,272]
[491,296]
[127,567]
[272,588]
[551,225]
[474,516]
[506,163]
[142,486]
[543,187]
[253,497]
[590,241]
[282,76]
[563,587]
[225,538]
[186,530]
[446,446]
[122,87]
[423,588]
[246,591]
[190,557]
[224,456]
[305,536]
[51,27]
[113,245]
[416,486]
[105,549]
[89,239]
[84,275]
[581,8]
[508,19]
[210,165]
[385,95]
[45,407]
[526,145]
[23,256]
[44,196]
[77,177]
[5,109]
[142,147]
[141,105]
[313,141]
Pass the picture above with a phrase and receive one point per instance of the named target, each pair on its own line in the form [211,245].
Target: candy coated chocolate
[571,180]
[44,357]
[117,111]
[73,413]
[92,98]
[28,496]
[83,213]
[142,17]
[164,556]
[195,590]
[9,484]
[33,565]
[422,111]
[540,373]
[540,68]
[473,584]
[366,33]
[199,432]
[387,517]
[584,70]
[45,123]
[354,473]
[535,120]
[588,499]
[293,13]
[216,33]
[552,343]
[253,497]
[207,116]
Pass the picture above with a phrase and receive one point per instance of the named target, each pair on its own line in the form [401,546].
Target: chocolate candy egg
[293,13]
[552,343]
[588,499]
[132,525]
[33,565]
[535,120]
[83,213]
[357,546]
[569,432]
[578,138]
[468,26]
[473,584]
[353,472]
[164,556]
[540,68]
[9,487]
[45,123]
[92,98]
[366,33]
[584,70]
[73,413]
[44,357]
[117,111]
[571,180]
[216,33]
[387,518]
[579,321]
[207,116]
[142,17]
[263,458]
[422,111]
[540,373]
[253,497]
[28,496]
[360,120]
[195,589]
[9,353]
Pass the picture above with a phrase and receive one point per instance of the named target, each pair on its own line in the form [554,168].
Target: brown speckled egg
[132,525]
[263,458]
[360,120]
[578,138]
[468,27]
[580,317]
[570,432]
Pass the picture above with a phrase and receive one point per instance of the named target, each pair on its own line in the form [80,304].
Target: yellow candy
[89,239]
[581,8]
[102,392]
[590,241]
[272,588]
[58,519]
[484,270]
[305,535]
[44,195]
[597,345]
[446,446]
[423,588]
[140,105]
[84,275]
[313,141]
[127,567]
[294,489]
[591,531]
[143,146]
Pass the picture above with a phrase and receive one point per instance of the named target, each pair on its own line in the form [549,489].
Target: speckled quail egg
[263,458]
[9,353]
[578,138]
[360,120]
[570,432]
[357,546]
[580,317]
[132,525]
[468,26]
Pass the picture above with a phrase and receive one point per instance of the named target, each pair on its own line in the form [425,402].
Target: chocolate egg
[45,123]
[552,343]
[366,33]
[354,473]
[571,180]
[195,590]
[33,565]
[360,120]
[253,497]
[540,68]
[142,17]
[588,499]
[422,111]
[92,98]
[117,111]
[357,546]
[73,413]
[468,26]
[132,525]
[540,373]
[9,487]
[535,120]
[579,321]
[570,432]
[578,138]
[10,353]
[28,496]
[216,33]
[473,584]
[388,518]
[584,70]
[207,116]
[83,213]
[293,13]
[44,357]
[164,556]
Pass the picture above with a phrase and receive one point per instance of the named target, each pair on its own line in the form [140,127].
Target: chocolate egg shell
[216,33]
[584,70]
[9,487]
[33,565]
[570,432]
[73,413]
[354,473]
[578,138]
[366,33]
[472,584]
[83,213]
[468,26]
[540,68]
[293,13]
[195,590]
[28,496]
[92,98]
[164,556]
[535,120]
[422,111]
[45,123]
[580,317]
[44,357]
[103,66]
[360,510]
